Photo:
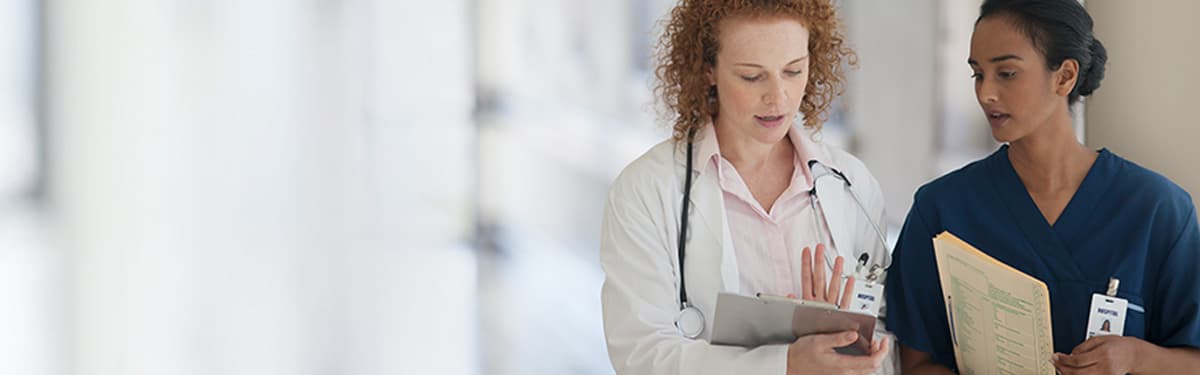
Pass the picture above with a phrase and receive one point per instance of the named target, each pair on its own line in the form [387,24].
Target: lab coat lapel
[708,205]
[710,208]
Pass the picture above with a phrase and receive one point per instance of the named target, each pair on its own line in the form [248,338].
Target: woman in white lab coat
[738,77]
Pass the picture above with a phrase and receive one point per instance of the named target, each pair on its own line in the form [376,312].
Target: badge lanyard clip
[1107,314]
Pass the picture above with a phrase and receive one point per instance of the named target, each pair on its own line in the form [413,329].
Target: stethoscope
[690,321]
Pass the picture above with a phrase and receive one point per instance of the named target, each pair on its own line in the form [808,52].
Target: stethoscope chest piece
[690,322]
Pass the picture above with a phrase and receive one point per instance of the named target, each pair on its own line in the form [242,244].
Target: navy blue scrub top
[1124,221]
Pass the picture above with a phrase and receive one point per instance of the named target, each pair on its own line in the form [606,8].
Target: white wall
[266,187]
[891,97]
[1145,109]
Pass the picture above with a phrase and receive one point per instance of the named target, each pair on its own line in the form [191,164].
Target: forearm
[1159,360]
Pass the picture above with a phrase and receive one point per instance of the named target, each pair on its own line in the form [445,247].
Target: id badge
[866,297]
[1107,316]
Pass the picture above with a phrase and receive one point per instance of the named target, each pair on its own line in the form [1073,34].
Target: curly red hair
[689,46]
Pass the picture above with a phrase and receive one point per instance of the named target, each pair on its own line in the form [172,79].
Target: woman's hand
[814,354]
[1101,355]
[815,288]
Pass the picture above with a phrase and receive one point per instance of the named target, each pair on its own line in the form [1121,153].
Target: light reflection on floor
[540,313]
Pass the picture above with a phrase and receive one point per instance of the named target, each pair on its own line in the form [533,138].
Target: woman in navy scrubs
[1049,206]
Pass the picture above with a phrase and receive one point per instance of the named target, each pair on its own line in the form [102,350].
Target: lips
[770,121]
[997,119]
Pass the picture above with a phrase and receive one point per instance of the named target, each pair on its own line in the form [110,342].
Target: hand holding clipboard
[765,320]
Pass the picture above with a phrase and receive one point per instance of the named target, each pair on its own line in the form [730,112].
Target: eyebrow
[759,66]
[997,59]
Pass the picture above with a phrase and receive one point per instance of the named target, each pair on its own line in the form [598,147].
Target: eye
[752,78]
[1007,75]
[793,73]
[976,76]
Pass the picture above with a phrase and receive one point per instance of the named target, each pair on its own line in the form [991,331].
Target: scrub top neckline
[1051,242]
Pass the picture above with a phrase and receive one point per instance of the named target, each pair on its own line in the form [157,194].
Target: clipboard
[751,321]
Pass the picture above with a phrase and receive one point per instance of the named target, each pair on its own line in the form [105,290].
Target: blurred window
[18,109]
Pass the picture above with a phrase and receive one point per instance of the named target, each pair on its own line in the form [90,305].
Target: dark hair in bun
[1060,30]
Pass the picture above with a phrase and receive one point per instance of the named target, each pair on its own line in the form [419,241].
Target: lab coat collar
[808,150]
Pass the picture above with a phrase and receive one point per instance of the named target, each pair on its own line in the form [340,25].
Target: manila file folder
[999,317]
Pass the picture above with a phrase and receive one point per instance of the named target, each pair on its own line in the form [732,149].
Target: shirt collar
[806,148]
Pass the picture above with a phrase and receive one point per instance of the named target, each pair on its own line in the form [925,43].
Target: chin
[772,136]
[1004,135]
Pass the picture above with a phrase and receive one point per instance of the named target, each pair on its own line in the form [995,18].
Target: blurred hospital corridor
[368,187]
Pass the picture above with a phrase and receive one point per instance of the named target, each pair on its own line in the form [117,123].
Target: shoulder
[1148,189]
[1135,178]
[954,183]
[651,171]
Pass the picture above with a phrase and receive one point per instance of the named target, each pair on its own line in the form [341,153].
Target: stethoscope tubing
[686,309]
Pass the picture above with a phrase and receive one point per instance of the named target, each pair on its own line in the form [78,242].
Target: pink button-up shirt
[767,241]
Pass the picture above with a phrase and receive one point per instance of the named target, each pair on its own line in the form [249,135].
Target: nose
[776,92]
[985,92]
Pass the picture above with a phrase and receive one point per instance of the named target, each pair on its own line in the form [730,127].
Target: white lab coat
[638,252]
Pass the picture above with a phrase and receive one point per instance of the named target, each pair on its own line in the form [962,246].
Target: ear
[1066,76]
[710,75]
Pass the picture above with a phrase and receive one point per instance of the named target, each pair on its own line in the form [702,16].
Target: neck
[748,155]
[1051,158]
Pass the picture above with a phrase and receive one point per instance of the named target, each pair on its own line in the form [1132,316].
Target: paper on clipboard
[750,322]
[999,317]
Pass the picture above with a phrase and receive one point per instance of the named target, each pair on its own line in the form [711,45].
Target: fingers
[1060,369]
[848,294]
[1073,362]
[859,364]
[818,279]
[1084,359]
[826,343]
[1063,369]
[806,265]
[835,282]
[836,340]
[880,350]
[1090,344]
[1085,355]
